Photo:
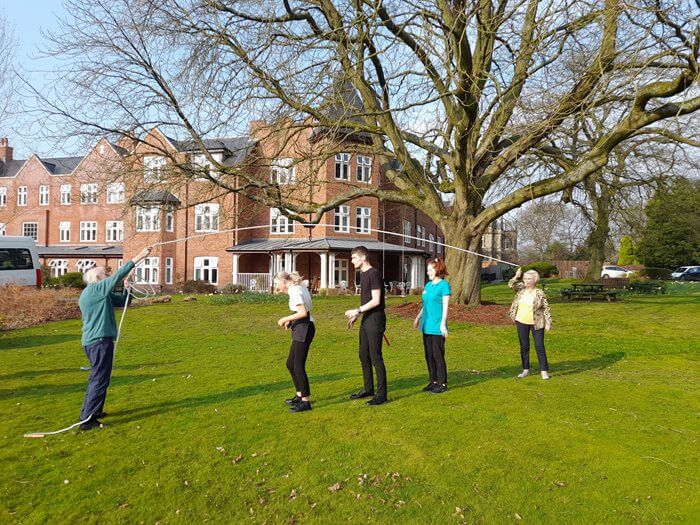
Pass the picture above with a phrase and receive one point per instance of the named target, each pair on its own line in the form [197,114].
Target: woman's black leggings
[296,362]
[434,346]
[538,336]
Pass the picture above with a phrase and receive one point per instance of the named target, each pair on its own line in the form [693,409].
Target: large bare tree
[457,99]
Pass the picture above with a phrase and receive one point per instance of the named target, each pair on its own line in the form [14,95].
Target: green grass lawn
[198,430]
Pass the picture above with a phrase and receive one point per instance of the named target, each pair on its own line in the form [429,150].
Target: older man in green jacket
[97,304]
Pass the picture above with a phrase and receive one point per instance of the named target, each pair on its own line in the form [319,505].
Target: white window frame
[420,233]
[64,231]
[44,195]
[168,270]
[439,245]
[36,230]
[114,231]
[88,193]
[431,242]
[169,221]
[341,219]
[342,166]
[407,232]
[147,271]
[3,196]
[363,169]
[280,224]
[147,219]
[88,231]
[83,265]
[3,229]
[283,171]
[206,269]
[65,194]
[363,220]
[341,271]
[22,196]
[58,267]
[206,217]
[115,193]
[204,165]
[153,168]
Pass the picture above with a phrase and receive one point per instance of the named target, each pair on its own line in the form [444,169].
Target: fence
[255,282]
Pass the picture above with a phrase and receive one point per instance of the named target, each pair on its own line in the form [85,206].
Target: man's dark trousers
[372,331]
[101,356]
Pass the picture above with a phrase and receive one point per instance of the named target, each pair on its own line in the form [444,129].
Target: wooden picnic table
[588,287]
[589,291]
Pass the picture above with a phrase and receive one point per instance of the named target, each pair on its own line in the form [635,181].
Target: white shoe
[524,373]
[544,375]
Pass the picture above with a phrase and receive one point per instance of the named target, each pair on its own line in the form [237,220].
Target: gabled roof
[235,149]
[10,169]
[60,165]
[325,243]
[154,196]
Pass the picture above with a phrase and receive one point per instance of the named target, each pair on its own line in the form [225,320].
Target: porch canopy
[283,254]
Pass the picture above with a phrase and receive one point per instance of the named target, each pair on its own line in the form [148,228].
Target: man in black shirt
[372,327]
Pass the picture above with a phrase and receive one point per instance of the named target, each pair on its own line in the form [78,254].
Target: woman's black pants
[434,346]
[296,362]
[538,336]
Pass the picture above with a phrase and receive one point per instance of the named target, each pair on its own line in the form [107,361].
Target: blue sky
[28,19]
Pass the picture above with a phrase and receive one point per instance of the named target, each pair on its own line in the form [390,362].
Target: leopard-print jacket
[540,306]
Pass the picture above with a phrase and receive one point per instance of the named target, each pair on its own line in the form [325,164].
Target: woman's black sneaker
[302,406]
[293,401]
[430,387]
[439,389]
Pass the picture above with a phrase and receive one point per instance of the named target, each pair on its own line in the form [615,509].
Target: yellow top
[525,313]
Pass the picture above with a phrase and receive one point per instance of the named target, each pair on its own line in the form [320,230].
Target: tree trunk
[464,268]
[597,240]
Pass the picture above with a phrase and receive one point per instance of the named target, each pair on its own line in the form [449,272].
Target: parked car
[682,270]
[615,272]
[692,273]
[19,261]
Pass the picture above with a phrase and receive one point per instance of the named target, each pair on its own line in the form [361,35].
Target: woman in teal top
[433,314]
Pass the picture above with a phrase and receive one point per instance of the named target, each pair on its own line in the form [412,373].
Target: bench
[609,295]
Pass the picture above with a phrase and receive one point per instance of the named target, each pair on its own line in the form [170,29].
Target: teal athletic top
[97,304]
[432,306]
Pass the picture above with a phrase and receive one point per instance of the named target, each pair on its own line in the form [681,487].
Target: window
[88,194]
[283,171]
[420,234]
[83,265]
[206,269]
[153,169]
[43,195]
[206,217]
[340,271]
[168,270]
[65,194]
[342,166]
[115,231]
[3,229]
[439,245]
[407,232]
[15,259]
[58,267]
[363,221]
[88,231]
[31,229]
[341,219]
[147,219]
[364,168]
[203,166]
[3,196]
[431,242]
[115,193]
[22,196]
[64,231]
[280,223]
[169,221]
[147,271]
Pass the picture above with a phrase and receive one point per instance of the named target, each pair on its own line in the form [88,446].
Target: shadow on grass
[30,341]
[232,395]
[409,386]
[30,374]
[44,390]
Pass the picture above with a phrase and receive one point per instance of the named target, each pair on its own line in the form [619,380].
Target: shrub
[250,298]
[329,292]
[232,288]
[198,287]
[22,306]
[71,280]
[545,269]
[508,273]
[655,273]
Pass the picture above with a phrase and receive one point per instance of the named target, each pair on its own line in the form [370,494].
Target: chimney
[5,150]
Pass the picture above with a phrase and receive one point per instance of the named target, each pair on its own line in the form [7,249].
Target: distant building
[500,241]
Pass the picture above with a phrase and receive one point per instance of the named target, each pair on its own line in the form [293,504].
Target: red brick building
[101,208]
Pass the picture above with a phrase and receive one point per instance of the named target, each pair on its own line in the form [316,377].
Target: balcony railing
[255,282]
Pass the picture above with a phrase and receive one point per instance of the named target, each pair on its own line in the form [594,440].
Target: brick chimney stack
[5,150]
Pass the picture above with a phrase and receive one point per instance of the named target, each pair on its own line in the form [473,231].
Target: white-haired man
[97,304]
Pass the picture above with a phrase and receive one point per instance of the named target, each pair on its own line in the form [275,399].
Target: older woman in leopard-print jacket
[530,311]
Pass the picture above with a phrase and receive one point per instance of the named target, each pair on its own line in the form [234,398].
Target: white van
[19,262]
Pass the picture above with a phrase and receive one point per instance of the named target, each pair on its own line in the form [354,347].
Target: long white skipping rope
[146,292]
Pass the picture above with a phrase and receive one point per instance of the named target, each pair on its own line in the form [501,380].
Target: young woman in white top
[303,329]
